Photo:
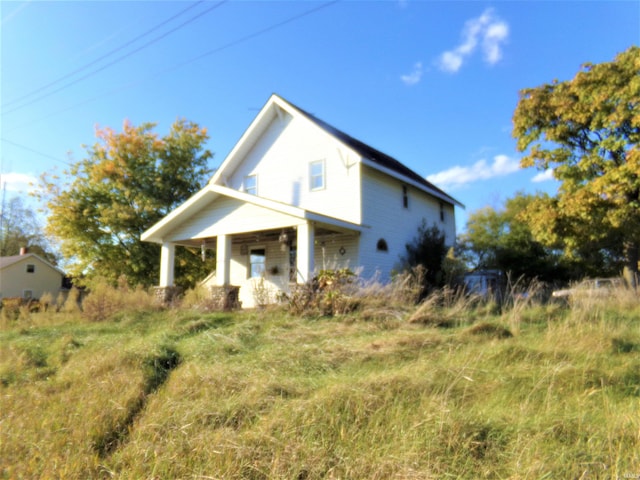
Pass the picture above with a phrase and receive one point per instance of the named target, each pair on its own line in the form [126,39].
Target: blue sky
[431,83]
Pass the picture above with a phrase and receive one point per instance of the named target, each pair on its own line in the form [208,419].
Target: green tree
[587,129]
[20,227]
[502,239]
[428,250]
[127,182]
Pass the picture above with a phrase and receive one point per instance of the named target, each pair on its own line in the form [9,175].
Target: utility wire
[106,55]
[34,151]
[117,60]
[251,36]
[186,62]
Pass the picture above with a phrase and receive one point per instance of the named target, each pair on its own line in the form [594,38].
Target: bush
[103,300]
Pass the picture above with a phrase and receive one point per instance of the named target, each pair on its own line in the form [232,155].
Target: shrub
[104,300]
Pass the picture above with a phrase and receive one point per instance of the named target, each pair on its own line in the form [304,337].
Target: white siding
[228,216]
[275,282]
[383,211]
[280,158]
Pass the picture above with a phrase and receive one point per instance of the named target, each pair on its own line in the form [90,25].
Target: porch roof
[159,232]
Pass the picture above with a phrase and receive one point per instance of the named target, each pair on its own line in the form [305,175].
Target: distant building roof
[10,260]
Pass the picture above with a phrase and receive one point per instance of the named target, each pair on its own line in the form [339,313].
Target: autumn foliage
[127,181]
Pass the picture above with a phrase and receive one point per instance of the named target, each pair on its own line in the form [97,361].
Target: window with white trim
[316,175]
[251,184]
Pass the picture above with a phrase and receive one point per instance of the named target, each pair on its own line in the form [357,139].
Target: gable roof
[277,106]
[211,192]
[13,259]
[376,156]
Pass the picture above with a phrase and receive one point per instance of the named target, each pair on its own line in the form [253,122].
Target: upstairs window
[405,197]
[316,175]
[251,184]
[441,212]
[31,268]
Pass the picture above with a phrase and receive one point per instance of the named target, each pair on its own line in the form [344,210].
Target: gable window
[382,246]
[251,184]
[31,268]
[405,197]
[316,175]
[257,262]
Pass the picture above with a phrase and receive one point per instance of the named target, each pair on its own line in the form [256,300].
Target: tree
[20,228]
[502,239]
[428,250]
[587,129]
[127,182]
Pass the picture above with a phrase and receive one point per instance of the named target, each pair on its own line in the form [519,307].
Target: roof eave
[431,191]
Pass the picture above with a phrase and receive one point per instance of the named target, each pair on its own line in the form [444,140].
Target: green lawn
[535,392]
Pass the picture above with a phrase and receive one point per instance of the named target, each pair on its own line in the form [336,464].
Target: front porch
[261,246]
[256,268]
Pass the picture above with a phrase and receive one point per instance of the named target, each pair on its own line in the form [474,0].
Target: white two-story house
[295,196]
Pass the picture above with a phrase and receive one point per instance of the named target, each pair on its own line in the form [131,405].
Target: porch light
[283,239]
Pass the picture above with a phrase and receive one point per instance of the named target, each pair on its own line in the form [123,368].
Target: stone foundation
[166,295]
[225,298]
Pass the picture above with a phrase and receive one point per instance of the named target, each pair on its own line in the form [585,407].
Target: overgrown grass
[446,389]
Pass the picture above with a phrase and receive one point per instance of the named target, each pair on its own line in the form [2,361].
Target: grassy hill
[532,392]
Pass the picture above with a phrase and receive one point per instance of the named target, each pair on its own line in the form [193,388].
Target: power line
[186,62]
[251,35]
[117,60]
[34,151]
[106,55]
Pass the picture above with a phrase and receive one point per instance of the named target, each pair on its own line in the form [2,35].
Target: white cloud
[486,29]
[18,182]
[544,176]
[458,176]
[415,76]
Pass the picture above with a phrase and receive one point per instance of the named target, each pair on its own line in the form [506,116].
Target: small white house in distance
[28,276]
[295,196]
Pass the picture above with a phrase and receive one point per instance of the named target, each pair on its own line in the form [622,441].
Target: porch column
[305,240]
[223,260]
[167,261]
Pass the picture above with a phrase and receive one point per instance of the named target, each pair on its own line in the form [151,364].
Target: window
[382,245]
[27,294]
[316,175]
[251,184]
[405,197]
[441,212]
[31,268]
[257,261]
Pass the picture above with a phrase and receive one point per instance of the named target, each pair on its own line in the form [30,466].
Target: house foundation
[225,297]
[166,295]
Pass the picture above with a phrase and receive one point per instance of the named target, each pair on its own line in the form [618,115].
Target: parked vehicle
[593,287]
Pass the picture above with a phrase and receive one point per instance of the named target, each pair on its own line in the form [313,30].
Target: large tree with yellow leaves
[588,131]
[128,181]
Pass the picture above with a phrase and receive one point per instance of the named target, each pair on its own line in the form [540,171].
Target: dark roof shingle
[376,156]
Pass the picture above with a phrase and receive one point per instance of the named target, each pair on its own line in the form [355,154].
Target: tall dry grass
[265,394]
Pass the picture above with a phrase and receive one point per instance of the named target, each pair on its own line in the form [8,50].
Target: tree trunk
[631,253]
